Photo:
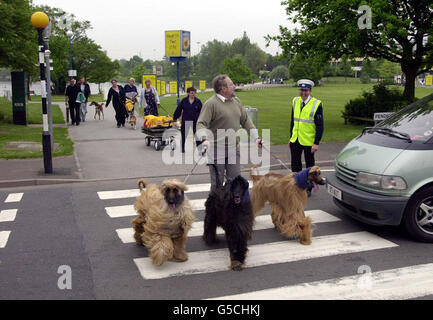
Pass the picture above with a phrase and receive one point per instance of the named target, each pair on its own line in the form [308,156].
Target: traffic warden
[306,127]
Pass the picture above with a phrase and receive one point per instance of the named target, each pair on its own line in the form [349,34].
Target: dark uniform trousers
[296,150]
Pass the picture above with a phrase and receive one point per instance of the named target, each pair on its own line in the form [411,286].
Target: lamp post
[47,34]
[40,21]
[69,34]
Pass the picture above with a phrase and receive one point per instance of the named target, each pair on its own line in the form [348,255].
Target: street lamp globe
[69,33]
[40,20]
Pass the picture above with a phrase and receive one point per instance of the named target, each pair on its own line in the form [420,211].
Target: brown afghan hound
[287,197]
[165,217]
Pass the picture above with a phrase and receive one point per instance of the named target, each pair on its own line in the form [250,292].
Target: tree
[237,70]
[18,38]
[370,69]
[304,68]
[211,58]
[388,69]
[344,68]
[255,58]
[401,32]
[102,69]
[280,72]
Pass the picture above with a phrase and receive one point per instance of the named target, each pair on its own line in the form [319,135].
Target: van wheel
[418,216]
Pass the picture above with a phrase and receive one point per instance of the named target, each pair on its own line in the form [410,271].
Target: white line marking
[265,254]
[14,197]
[134,193]
[395,284]
[4,236]
[121,211]
[126,235]
[8,215]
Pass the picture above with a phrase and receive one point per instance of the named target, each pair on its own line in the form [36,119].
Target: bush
[382,99]
[280,72]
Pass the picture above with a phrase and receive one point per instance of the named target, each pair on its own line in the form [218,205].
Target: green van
[385,175]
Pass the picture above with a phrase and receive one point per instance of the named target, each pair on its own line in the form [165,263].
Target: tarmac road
[86,226]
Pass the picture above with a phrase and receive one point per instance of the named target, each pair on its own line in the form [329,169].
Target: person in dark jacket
[71,100]
[189,108]
[85,89]
[117,94]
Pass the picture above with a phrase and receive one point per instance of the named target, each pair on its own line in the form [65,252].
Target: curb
[45,182]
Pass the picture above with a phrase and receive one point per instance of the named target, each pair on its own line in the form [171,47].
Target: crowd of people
[77,95]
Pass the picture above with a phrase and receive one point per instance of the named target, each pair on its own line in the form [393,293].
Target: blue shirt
[189,112]
[128,88]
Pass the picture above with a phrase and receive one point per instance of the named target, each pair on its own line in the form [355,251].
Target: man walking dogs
[224,111]
[306,127]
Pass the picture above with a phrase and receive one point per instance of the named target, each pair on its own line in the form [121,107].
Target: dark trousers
[74,110]
[185,129]
[296,150]
[120,116]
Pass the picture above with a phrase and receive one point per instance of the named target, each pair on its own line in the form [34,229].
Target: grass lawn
[34,112]
[274,108]
[61,98]
[10,132]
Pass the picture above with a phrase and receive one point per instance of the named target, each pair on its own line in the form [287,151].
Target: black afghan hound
[230,207]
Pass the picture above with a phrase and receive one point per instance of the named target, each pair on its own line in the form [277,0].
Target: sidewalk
[103,151]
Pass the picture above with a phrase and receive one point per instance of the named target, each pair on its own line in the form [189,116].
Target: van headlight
[381,182]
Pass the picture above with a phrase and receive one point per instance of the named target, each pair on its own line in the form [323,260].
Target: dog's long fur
[235,218]
[99,109]
[163,230]
[287,201]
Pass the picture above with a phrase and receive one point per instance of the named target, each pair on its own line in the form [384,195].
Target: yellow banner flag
[188,84]
[163,88]
[158,87]
[173,86]
[202,85]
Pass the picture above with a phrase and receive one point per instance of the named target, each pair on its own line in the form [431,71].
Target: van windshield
[416,121]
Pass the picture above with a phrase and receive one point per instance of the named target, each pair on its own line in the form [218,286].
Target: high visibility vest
[304,128]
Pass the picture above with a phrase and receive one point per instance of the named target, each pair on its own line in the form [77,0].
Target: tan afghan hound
[287,197]
[165,217]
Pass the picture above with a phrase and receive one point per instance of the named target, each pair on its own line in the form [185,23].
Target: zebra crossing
[209,261]
[8,215]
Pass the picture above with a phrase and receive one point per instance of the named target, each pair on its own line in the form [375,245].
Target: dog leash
[275,157]
[164,109]
[189,175]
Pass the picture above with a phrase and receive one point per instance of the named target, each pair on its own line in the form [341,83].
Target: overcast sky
[126,28]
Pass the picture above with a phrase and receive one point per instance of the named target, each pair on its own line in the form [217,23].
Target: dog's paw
[237,265]
[210,240]
[305,242]
[179,256]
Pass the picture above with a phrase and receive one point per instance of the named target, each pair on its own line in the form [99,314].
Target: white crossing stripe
[14,197]
[134,193]
[8,215]
[4,236]
[265,254]
[394,284]
[262,222]
[129,211]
